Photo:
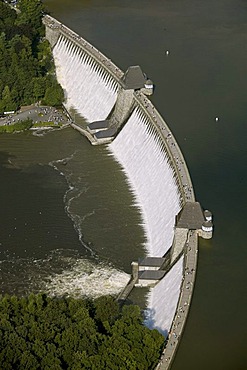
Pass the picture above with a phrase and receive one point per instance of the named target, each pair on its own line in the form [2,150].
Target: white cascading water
[89,88]
[140,151]
[163,300]
[146,163]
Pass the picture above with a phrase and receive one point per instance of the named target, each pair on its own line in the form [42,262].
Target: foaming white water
[85,279]
[163,300]
[72,193]
[62,272]
[89,88]
[146,163]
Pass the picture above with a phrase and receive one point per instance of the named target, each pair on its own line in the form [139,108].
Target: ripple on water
[61,273]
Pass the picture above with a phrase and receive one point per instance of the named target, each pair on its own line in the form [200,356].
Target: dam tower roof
[134,78]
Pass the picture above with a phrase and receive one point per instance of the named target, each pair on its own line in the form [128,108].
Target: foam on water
[46,130]
[146,163]
[145,160]
[72,193]
[85,279]
[163,299]
[72,275]
[88,87]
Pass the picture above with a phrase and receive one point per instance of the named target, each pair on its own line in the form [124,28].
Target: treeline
[27,72]
[38,332]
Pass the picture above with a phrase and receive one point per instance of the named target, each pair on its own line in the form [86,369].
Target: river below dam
[68,224]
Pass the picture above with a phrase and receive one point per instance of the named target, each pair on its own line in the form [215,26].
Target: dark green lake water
[203,76]
[66,216]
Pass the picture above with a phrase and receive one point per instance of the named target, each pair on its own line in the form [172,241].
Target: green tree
[105,309]
[26,64]
[39,87]
[9,104]
[31,11]
[28,361]
[50,333]
[54,95]
[7,15]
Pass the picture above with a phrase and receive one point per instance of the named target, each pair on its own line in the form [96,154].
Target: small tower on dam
[191,217]
[148,87]
[206,231]
[108,99]
[118,87]
[133,79]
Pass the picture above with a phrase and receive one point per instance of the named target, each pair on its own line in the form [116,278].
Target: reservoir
[201,78]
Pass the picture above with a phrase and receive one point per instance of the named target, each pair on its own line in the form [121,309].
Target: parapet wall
[55,28]
[175,155]
[123,108]
[53,31]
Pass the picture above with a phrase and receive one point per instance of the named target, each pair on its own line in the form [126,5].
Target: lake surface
[203,77]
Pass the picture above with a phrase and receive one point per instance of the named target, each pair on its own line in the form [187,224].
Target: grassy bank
[46,124]
[19,126]
[26,125]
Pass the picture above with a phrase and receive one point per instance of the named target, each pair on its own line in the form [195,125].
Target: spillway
[152,179]
[154,166]
[139,148]
[163,299]
[89,88]
[144,159]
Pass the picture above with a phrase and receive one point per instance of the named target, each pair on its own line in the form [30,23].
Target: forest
[40,332]
[27,72]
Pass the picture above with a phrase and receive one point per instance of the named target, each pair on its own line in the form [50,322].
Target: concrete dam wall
[90,89]
[152,178]
[151,159]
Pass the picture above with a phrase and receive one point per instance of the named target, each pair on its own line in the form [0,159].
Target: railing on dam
[182,311]
[175,155]
[60,29]
[54,30]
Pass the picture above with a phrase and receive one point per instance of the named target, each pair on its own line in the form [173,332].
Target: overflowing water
[62,272]
[146,164]
[145,161]
[89,88]
[163,299]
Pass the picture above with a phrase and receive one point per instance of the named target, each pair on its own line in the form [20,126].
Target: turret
[207,230]
[148,87]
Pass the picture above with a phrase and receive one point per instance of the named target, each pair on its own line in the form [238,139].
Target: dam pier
[119,113]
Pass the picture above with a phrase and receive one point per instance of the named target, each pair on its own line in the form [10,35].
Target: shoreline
[48,117]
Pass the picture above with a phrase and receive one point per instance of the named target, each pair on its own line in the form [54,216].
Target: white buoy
[216,119]
[167,52]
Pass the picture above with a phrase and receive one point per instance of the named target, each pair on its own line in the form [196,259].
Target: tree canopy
[27,72]
[38,332]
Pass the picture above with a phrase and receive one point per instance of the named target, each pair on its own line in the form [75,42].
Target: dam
[120,115]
